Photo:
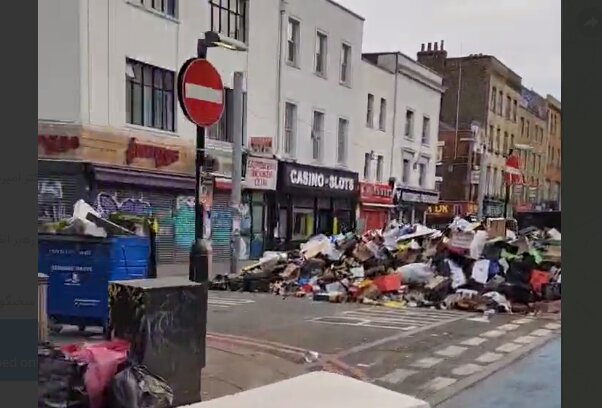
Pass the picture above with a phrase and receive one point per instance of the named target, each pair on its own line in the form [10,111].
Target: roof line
[353,13]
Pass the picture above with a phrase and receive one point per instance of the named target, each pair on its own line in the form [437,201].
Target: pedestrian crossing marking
[227,302]
[392,319]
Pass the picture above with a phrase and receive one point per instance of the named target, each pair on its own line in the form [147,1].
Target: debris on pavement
[474,266]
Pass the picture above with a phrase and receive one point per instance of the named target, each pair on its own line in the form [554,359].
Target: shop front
[440,215]
[493,208]
[312,200]
[376,204]
[412,204]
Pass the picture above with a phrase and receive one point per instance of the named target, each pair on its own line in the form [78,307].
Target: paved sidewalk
[181,269]
[233,369]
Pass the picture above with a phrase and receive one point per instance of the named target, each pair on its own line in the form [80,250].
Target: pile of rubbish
[473,266]
[97,375]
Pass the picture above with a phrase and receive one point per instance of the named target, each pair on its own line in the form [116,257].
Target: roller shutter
[221,226]
[139,201]
[60,185]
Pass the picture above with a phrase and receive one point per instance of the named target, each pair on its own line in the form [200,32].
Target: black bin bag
[135,386]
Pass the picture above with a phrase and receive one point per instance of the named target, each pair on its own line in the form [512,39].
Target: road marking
[439,383]
[524,340]
[226,302]
[493,333]
[397,376]
[481,319]
[451,351]
[393,319]
[541,332]
[508,347]
[524,320]
[475,341]
[467,369]
[552,326]
[508,327]
[488,357]
[427,362]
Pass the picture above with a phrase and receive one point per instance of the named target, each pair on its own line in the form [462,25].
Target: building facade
[480,89]
[398,141]
[553,175]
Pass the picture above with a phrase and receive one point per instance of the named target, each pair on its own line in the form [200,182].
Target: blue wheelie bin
[79,270]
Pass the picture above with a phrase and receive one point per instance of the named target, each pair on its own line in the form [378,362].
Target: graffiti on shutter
[51,207]
[184,222]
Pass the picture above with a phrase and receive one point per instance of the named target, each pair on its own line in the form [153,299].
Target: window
[405,176]
[379,168]
[514,110]
[493,99]
[498,141]
[528,128]
[506,146]
[488,181]
[422,174]
[342,140]
[426,130]
[508,107]
[382,117]
[222,130]
[321,50]
[409,130]
[491,135]
[511,141]
[370,111]
[500,103]
[439,154]
[522,127]
[149,96]
[290,127]
[167,7]
[367,166]
[228,17]
[292,52]
[345,64]
[317,134]
[303,223]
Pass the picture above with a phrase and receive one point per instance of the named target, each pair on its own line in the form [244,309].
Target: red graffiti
[53,144]
[162,156]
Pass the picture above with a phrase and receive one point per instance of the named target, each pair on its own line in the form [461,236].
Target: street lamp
[201,248]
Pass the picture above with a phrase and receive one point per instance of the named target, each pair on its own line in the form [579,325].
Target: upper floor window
[317,135]
[426,130]
[167,7]
[228,17]
[382,117]
[292,47]
[508,107]
[422,174]
[321,53]
[223,130]
[149,96]
[345,64]
[379,168]
[493,99]
[342,137]
[500,103]
[290,127]
[367,161]
[409,130]
[514,110]
[370,111]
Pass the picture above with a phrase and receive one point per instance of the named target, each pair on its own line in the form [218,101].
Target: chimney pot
[436,45]
[442,45]
[428,47]
[422,47]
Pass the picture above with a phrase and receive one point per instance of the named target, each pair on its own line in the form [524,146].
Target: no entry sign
[201,92]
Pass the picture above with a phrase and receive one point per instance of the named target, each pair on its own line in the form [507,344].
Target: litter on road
[472,266]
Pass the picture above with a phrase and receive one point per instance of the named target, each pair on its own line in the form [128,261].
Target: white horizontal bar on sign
[378,205]
[203,93]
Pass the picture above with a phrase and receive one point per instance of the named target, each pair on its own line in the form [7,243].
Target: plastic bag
[415,273]
[103,360]
[60,380]
[135,386]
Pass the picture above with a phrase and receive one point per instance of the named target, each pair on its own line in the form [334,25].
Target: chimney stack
[422,47]
[436,45]
[442,45]
[428,47]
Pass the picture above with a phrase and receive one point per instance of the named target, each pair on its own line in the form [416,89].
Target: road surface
[533,382]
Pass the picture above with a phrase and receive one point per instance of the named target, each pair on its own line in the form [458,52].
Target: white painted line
[508,327]
[427,362]
[488,357]
[451,351]
[439,383]
[467,369]
[203,93]
[552,326]
[397,376]
[541,332]
[475,341]
[508,347]
[493,333]
[524,340]
[479,319]
[525,320]
[224,306]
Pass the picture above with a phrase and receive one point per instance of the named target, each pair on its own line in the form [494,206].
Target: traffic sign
[201,92]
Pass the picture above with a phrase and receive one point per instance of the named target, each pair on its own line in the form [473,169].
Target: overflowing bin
[79,270]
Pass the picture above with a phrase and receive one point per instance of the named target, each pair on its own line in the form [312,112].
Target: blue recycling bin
[79,270]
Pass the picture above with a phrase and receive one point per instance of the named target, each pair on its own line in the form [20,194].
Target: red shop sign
[53,144]
[162,156]
[376,193]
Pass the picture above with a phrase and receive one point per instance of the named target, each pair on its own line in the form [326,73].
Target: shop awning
[121,175]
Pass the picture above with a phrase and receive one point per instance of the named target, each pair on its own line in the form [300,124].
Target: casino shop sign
[299,178]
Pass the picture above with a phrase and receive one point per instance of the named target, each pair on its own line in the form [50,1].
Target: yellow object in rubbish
[364,284]
[394,305]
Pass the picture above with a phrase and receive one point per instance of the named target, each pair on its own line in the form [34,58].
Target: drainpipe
[279,79]
[394,132]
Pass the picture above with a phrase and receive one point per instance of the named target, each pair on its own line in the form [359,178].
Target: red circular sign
[201,92]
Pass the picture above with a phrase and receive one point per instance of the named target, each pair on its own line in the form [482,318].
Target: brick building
[479,89]
[552,179]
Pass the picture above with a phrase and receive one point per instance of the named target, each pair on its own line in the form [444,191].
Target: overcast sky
[523,34]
